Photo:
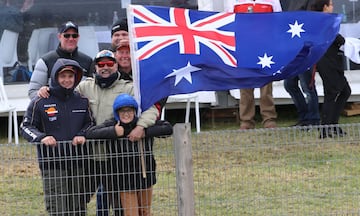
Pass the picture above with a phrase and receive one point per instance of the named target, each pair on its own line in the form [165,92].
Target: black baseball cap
[68,25]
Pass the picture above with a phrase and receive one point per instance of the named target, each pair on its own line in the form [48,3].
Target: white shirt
[351,49]
[205,5]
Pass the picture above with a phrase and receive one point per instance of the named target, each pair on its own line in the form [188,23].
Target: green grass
[235,173]
[313,178]
[270,177]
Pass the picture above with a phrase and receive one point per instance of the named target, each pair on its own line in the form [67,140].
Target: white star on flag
[296,29]
[184,72]
[265,61]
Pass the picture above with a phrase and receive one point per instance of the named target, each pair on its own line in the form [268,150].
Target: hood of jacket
[61,63]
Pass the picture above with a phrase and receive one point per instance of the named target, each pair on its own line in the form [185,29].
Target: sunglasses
[108,63]
[71,35]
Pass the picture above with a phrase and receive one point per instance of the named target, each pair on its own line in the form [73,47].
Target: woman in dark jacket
[336,88]
[133,163]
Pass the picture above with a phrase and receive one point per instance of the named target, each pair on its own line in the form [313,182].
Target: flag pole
[136,77]
[134,61]
[143,165]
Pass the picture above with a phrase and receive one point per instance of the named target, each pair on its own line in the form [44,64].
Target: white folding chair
[8,47]
[188,98]
[88,42]
[12,114]
[33,51]
[47,40]
[41,41]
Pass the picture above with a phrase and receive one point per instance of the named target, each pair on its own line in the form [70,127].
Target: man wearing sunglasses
[68,36]
[101,90]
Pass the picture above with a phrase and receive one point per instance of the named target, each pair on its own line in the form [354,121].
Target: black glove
[339,40]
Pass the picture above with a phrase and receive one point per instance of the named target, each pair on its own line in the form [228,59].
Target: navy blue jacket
[126,155]
[63,115]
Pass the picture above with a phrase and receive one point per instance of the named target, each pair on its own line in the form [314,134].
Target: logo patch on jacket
[51,112]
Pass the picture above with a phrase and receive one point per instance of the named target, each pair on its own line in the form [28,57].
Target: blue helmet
[124,100]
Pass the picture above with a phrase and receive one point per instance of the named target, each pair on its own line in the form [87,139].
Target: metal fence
[282,171]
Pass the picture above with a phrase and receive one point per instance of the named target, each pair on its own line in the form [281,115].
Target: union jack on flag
[176,51]
[188,34]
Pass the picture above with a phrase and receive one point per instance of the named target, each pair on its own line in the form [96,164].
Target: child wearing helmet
[132,179]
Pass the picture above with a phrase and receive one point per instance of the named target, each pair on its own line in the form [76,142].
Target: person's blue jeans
[102,208]
[307,108]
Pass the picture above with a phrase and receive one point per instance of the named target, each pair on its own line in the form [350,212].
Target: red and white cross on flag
[160,33]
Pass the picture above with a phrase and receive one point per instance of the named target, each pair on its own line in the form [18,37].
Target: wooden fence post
[184,169]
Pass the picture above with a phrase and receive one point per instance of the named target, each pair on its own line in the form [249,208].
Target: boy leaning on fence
[101,90]
[133,163]
[50,122]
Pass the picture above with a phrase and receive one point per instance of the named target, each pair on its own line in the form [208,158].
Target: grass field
[275,172]
[286,116]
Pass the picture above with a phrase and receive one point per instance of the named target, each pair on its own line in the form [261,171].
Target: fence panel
[283,171]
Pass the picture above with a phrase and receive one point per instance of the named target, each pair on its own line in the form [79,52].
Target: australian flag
[176,50]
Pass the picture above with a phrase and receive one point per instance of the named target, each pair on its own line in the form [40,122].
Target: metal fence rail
[283,171]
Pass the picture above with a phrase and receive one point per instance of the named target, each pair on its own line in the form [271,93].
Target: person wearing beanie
[57,125]
[119,31]
[132,180]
